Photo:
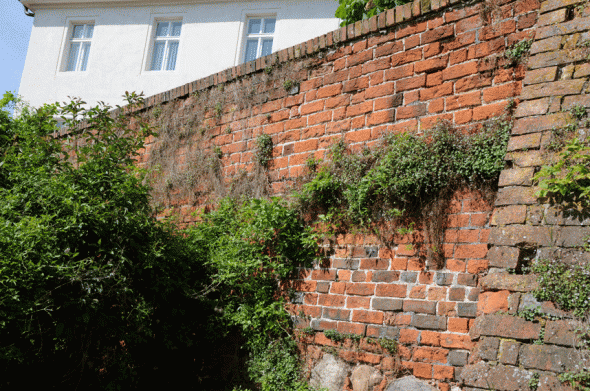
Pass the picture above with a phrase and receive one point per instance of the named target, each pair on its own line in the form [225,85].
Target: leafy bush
[88,277]
[351,11]
[406,172]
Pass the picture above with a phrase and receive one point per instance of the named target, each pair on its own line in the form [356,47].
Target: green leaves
[351,11]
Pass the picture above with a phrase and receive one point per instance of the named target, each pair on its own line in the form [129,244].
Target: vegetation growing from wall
[351,11]
[404,176]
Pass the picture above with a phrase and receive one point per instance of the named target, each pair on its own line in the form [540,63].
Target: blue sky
[15,30]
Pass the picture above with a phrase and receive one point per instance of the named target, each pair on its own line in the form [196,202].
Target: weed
[534,381]
[218,109]
[516,53]
[217,151]
[268,70]
[389,344]
[578,112]
[263,154]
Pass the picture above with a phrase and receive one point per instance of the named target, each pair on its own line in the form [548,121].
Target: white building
[97,50]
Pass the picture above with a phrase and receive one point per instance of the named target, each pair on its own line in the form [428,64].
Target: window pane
[162,29]
[266,47]
[158,56]
[269,25]
[89,30]
[176,26]
[73,56]
[251,46]
[254,26]
[78,31]
[172,52]
[84,55]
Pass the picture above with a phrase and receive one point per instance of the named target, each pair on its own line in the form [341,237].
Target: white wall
[210,41]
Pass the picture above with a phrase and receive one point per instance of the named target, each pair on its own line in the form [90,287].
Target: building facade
[97,50]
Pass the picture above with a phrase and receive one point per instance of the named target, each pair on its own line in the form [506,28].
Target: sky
[15,30]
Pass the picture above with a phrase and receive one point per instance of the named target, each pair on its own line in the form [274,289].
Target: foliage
[263,153]
[350,11]
[569,178]
[566,285]
[577,380]
[534,381]
[88,277]
[406,171]
[517,52]
[276,367]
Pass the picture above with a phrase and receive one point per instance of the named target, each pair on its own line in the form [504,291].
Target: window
[79,47]
[259,36]
[165,48]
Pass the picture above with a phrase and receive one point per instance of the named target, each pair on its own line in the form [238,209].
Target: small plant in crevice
[517,53]
[263,154]
[217,151]
[289,85]
[218,109]
[534,381]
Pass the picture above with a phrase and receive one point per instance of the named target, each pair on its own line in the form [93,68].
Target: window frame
[167,39]
[258,36]
[81,52]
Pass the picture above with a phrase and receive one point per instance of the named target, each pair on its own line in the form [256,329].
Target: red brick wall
[402,70]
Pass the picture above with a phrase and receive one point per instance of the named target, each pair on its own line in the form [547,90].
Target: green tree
[351,11]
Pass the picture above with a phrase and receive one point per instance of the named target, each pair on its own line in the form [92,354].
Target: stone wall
[403,70]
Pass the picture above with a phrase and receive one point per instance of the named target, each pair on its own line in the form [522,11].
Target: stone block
[487,348]
[409,383]
[499,377]
[527,141]
[533,236]
[504,326]
[554,57]
[544,122]
[511,214]
[573,236]
[516,177]
[508,353]
[516,195]
[541,75]
[490,302]
[560,332]
[457,358]
[429,322]
[545,45]
[329,373]
[365,377]
[385,276]
[549,358]
[510,282]
[532,107]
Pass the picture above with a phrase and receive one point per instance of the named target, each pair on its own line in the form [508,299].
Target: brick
[410,83]
[408,336]
[457,358]
[458,325]
[457,71]
[406,57]
[464,100]
[457,294]
[386,276]
[505,257]
[380,90]
[422,370]
[418,292]
[431,65]
[336,313]
[323,274]
[501,92]
[456,341]
[426,307]
[468,24]
[430,355]
[472,82]
[429,322]
[436,92]
[489,111]
[560,332]
[363,316]
[436,34]
[509,282]
[467,310]
[360,289]
[471,251]
[383,304]
[358,302]
[391,290]
[361,108]
[491,302]
[331,300]
[351,328]
[399,72]
[410,111]
[441,372]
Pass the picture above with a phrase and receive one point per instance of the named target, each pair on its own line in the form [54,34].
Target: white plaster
[211,40]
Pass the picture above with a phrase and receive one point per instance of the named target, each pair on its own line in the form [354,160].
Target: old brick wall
[523,227]
[402,70]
